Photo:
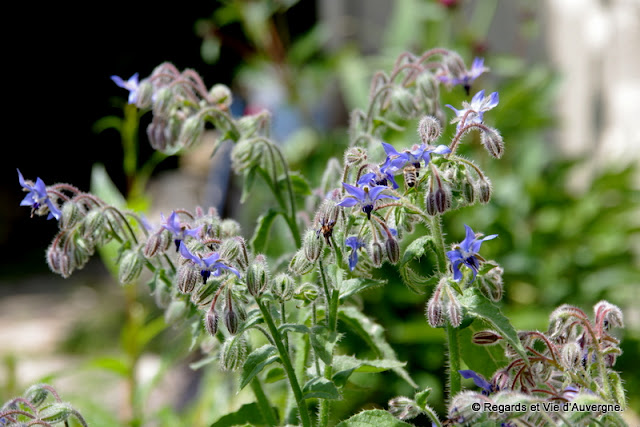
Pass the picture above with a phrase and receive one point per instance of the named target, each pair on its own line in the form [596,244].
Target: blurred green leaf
[261,234]
[373,417]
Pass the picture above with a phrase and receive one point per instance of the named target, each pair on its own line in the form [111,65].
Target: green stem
[332,322]
[263,403]
[286,364]
[453,337]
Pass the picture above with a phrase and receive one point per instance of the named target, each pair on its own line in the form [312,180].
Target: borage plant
[293,309]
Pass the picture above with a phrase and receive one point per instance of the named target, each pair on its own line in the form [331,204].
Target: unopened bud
[159,133]
[402,102]
[429,129]
[393,250]
[257,276]
[438,200]
[162,102]
[131,264]
[229,228]
[427,86]
[162,294]
[157,242]
[245,155]
[191,131]
[56,413]
[462,408]
[491,285]
[376,254]
[93,222]
[221,95]
[211,322]
[468,189]
[282,287]
[435,310]
[233,353]
[354,156]
[300,264]
[175,312]
[59,262]
[37,394]
[312,245]
[454,310]
[307,292]
[404,408]
[187,278]
[486,337]
[484,190]
[572,356]
[231,318]
[455,65]
[144,94]
[71,214]
[493,143]
[608,315]
[235,249]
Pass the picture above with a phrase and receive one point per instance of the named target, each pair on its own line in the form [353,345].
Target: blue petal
[54,212]
[184,251]
[348,202]
[477,379]
[356,192]
[478,97]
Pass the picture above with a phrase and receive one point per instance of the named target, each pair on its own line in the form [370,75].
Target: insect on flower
[411,174]
[326,228]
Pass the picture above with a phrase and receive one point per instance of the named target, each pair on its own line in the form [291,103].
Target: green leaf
[479,306]
[416,282]
[344,366]
[247,183]
[203,362]
[261,234]
[248,414]
[373,334]
[104,188]
[112,364]
[373,417]
[421,397]
[483,359]
[323,342]
[353,286]
[417,249]
[256,361]
[299,183]
[320,388]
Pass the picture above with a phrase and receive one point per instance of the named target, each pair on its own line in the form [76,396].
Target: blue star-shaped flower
[354,243]
[466,252]
[379,177]
[178,230]
[131,85]
[209,265]
[486,386]
[38,197]
[397,161]
[475,110]
[467,77]
[365,196]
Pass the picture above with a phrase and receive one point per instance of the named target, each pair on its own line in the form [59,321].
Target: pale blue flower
[38,197]
[486,386]
[474,112]
[366,196]
[467,77]
[354,243]
[466,252]
[178,230]
[131,85]
[209,265]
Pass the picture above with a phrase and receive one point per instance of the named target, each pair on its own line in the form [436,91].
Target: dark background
[57,64]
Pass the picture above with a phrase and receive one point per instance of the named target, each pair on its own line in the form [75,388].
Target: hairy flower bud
[59,262]
[130,266]
[429,129]
[233,353]
[229,228]
[572,355]
[282,287]
[257,276]
[427,86]
[454,309]
[300,264]
[307,292]
[484,190]
[468,189]
[492,142]
[404,408]
[144,93]
[461,410]
[163,102]
[157,242]
[93,223]
[376,254]
[221,95]
[486,337]
[191,131]
[402,102]
[312,245]
[435,310]
[608,315]
[231,318]
[211,322]
[56,413]
[37,394]
[235,249]
[491,285]
[438,199]
[355,156]
[393,250]
[159,133]
[71,215]
[187,278]
[245,154]
[162,293]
